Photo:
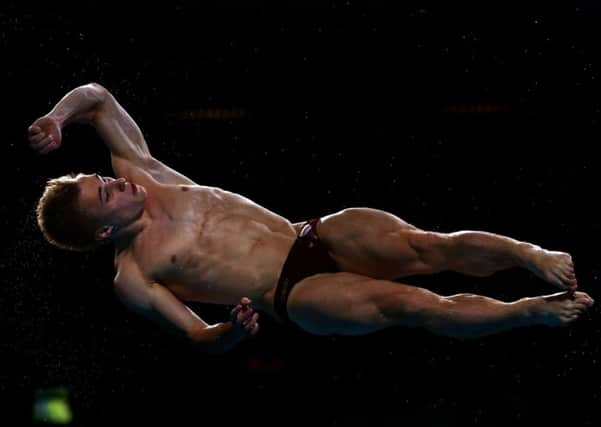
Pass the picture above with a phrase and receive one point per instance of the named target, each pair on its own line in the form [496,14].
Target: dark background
[453,118]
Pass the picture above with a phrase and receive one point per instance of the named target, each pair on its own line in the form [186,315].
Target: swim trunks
[308,256]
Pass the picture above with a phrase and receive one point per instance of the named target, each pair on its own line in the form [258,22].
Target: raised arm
[158,304]
[95,105]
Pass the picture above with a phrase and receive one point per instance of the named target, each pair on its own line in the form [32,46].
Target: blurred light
[51,406]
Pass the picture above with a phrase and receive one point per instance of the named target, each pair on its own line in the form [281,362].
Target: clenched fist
[44,135]
[243,316]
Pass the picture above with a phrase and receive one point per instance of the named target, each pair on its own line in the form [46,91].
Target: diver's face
[110,202]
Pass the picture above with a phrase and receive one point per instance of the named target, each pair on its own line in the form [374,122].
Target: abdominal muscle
[228,249]
[225,279]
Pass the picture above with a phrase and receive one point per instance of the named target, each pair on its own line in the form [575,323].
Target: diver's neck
[153,211]
[125,235]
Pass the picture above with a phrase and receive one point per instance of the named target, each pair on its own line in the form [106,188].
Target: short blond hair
[59,218]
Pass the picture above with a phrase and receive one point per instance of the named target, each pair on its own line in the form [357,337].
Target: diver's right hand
[44,135]
[244,318]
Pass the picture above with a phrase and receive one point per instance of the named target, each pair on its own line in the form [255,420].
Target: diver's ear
[104,232]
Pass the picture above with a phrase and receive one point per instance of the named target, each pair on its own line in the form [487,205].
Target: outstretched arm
[95,105]
[158,304]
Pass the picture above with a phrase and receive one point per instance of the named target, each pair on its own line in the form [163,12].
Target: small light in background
[51,406]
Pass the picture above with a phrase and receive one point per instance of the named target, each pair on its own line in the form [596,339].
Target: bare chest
[216,254]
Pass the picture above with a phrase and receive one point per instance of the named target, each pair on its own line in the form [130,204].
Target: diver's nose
[121,183]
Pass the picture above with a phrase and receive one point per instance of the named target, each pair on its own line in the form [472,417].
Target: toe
[566,279]
[583,298]
[561,281]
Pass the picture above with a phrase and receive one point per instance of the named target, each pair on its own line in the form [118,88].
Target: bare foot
[560,308]
[556,268]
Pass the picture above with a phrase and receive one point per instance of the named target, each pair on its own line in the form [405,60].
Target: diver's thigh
[338,303]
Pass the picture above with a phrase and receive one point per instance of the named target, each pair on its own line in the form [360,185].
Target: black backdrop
[450,117]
